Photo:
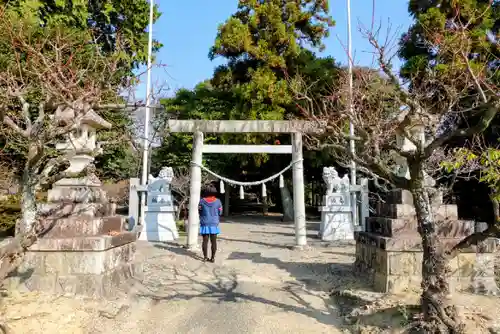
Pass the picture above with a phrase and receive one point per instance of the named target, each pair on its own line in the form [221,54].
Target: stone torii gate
[199,127]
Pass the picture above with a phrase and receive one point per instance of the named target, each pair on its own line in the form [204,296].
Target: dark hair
[209,190]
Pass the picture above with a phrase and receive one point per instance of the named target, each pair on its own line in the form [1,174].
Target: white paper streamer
[222,190]
[264,190]
[282,182]
[242,193]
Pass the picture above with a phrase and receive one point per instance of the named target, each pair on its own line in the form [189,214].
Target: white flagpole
[351,125]
[145,153]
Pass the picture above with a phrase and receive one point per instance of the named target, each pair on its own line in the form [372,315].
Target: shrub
[10,212]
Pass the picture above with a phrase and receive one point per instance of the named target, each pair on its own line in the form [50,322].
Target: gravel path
[259,284]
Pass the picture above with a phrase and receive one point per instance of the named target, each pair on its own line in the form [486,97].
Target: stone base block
[336,226]
[401,196]
[105,285]
[401,271]
[84,226]
[75,194]
[80,210]
[77,262]
[407,211]
[391,227]
[90,273]
[411,242]
[83,244]
[403,283]
[159,227]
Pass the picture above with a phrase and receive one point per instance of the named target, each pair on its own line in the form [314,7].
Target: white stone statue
[329,176]
[333,181]
[166,173]
[160,211]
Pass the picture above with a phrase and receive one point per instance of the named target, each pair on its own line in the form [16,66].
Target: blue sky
[188,28]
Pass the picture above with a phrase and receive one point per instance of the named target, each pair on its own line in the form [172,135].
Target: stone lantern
[87,250]
[80,147]
[417,131]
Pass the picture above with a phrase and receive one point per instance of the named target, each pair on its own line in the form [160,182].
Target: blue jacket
[210,210]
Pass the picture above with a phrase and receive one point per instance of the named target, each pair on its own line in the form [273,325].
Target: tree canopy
[119,28]
[436,27]
[261,41]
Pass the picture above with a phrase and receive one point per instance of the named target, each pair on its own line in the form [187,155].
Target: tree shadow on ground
[312,235]
[326,282]
[314,239]
[177,249]
[344,301]
[342,274]
[266,220]
[223,288]
[266,244]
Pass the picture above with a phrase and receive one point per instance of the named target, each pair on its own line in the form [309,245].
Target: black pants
[213,243]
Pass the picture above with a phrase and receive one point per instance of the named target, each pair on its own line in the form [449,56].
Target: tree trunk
[28,203]
[439,315]
[180,209]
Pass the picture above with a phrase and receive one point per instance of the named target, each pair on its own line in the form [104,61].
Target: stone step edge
[407,211]
[83,244]
[413,243]
[391,227]
[85,226]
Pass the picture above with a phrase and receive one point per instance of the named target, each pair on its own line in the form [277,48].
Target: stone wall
[390,249]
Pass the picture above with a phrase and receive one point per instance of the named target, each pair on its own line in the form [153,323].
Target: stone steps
[77,210]
[411,242]
[83,244]
[407,211]
[401,196]
[393,227]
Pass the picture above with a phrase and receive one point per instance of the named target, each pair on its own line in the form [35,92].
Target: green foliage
[201,103]
[261,41]
[113,22]
[10,212]
[119,159]
[270,30]
[433,28]
[436,28]
[488,162]
[181,226]
[119,28]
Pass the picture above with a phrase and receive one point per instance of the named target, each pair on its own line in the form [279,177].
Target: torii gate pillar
[194,191]
[299,206]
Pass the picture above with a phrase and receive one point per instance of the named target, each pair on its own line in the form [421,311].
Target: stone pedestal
[336,218]
[160,212]
[390,250]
